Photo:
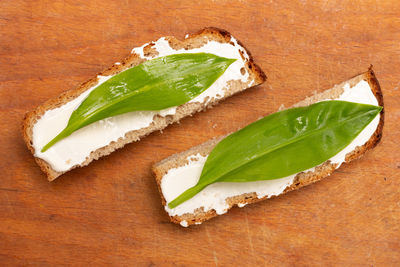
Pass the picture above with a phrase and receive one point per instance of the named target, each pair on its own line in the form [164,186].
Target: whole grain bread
[191,41]
[301,179]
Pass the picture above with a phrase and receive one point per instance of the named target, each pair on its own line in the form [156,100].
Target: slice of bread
[137,56]
[301,179]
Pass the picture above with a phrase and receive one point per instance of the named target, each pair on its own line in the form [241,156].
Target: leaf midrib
[135,92]
[293,141]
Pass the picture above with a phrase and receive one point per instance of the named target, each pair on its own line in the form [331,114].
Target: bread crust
[302,179]
[159,123]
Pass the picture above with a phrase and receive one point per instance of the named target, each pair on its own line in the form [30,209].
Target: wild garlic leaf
[283,144]
[153,85]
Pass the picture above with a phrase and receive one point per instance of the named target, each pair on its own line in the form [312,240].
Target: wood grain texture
[110,211]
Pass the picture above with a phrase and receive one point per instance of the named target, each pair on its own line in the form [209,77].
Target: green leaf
[153,85]
[283,144]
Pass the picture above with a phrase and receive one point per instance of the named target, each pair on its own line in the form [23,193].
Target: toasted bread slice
[254,76]
[200,213]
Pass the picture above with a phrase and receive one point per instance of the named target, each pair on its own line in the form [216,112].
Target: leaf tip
[231,60]
[47,146]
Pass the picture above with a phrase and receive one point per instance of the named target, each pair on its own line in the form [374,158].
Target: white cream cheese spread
[76,148]
[214,196]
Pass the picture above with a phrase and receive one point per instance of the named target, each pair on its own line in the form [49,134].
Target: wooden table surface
[110,211]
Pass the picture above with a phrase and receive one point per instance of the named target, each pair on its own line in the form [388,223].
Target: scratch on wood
[264,234]
[213,248]
[10,207]
[248,235]
[10,189]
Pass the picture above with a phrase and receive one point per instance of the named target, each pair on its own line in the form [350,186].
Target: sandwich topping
[65,136]
[156,84]
[285,143]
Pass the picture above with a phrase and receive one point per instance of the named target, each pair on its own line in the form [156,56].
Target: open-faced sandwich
[274,155]
[158,84]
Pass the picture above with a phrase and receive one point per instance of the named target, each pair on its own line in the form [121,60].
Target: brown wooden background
[110,212]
